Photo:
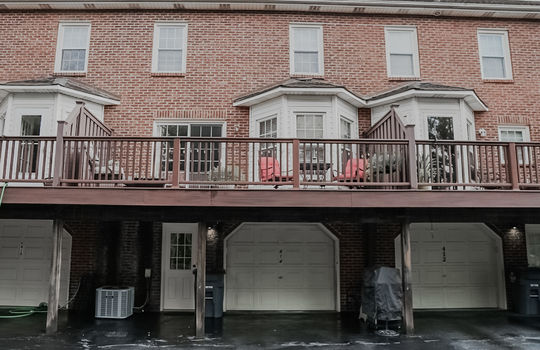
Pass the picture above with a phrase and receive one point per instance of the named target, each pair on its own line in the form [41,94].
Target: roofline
[401,7]
[469,96]
[343,93]
[63,90]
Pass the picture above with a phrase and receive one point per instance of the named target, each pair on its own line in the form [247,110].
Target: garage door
[454,266]
[280,267]
[25,262]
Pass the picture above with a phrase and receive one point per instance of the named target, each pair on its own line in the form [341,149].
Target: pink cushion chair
[270,170]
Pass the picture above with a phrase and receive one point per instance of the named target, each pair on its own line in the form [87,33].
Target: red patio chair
[270,170]
[354,171]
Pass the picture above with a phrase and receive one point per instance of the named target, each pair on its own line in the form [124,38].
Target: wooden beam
[201,281]
[408,320]
[54,281]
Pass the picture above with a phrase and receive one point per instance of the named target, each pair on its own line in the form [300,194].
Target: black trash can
[214,295]
[526,292]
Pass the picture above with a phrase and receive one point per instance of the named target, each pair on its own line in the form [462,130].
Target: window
[169,52]
[2,122]
[202,155]
[345,129]
[402,52]
[306,49]
[180,251]
[494,54]
[268,128]
[516,134]
[441,128]
[310,126]
[72,47]
[28,155]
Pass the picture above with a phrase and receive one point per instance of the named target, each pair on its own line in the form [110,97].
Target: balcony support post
[408,320]
[54,279]
[513,164]
[200,280]
[411,154]
[59,154]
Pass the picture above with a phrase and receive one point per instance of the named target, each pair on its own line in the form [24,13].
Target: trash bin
[214,295]
[526,292]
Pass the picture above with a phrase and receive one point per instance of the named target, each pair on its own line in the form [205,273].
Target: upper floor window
[402,52]
[169,51]
[306,49]
[494,54]
[72,47]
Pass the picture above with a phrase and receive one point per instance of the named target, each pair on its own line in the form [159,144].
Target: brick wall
[232,53]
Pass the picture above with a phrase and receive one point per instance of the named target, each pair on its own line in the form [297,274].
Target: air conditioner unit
[114,302]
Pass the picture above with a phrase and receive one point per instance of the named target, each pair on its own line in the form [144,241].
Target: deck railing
[258,163]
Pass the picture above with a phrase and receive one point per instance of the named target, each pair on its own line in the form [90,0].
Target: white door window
[440,128]
[517,134]
[268,129]
[28,153]
[310,126]
[178,247]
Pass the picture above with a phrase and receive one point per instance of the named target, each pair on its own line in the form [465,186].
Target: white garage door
[454,266]
[25,262]
[274,266]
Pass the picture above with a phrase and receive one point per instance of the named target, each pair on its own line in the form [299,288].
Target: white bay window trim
[490,53]
[75,45]
[401,42]
[179,46]
[306,48]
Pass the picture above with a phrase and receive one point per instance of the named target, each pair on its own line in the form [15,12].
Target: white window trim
[155,47]
[353,126]
[416,58]
[506,49]
[320,48]
[60,42]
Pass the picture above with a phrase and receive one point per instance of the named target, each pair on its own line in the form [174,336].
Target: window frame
[526,158]
[414,49]
[506,52]
[155,46]
[60,45]
[320,51]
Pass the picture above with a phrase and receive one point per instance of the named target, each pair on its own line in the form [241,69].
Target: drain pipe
[3,191]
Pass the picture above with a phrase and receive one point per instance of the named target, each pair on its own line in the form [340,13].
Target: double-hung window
[310,126]
[402,52]
[268,129]
[72,47]
[494,54]
[516,133]
[169,51]
[306,49]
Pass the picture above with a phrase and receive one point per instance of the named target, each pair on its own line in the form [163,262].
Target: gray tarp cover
[382,294]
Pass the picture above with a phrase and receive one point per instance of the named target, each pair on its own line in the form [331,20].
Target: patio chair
[354,171]
[270,170]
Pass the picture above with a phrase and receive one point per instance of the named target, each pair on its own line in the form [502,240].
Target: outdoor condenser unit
[114,302]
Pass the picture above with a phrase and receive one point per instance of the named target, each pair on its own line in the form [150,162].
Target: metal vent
[114,302]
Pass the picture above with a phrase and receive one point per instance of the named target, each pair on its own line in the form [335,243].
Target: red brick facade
[232,53]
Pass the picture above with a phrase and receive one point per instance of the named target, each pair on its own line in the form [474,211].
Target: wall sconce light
[211,234]
[482,132]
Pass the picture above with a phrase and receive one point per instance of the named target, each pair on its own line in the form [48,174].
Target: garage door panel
[35,274]
[457,253]
[457,297]
[292,269]
[241,255]
[8,271]
[9,248]
[431,297]
[482,276]
[8,295]
[457,275]
[430,252]
[430,275]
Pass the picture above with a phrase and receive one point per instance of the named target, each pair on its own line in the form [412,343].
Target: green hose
[3,190]
[19,312]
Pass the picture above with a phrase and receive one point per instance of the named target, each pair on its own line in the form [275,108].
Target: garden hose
[19,312]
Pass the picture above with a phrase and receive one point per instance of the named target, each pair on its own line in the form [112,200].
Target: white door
[178,257]
[25,262]
[454,266]
[272,266]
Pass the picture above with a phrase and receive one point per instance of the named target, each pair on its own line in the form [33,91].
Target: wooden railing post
[296,164]
[176,163]
[80,108]
[413,172]
[59,155]
[513,165]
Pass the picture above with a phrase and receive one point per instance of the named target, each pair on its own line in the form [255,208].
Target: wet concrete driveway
[434,330]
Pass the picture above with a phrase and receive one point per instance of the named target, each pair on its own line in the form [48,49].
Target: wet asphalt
[434,330]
